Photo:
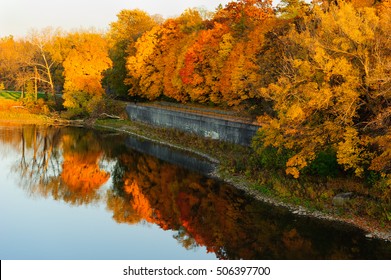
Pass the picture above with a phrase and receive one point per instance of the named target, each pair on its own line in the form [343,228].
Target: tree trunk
[36,83]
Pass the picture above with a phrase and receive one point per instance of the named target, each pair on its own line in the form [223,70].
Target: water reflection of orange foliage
[296,245]
[186,203]
[208,213]
[123,211]
[201,211]
[82,176]
[146,173]
[17,136]
[139,202]
[80,169]
[75,180]
[175,199]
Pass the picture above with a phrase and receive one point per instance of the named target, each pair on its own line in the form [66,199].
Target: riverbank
[15,112]
[307,196]
[12,111]
[309,199]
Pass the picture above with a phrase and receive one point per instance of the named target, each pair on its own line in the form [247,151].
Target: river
[75,193]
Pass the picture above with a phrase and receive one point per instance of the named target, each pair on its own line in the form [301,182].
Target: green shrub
[372,178]
[324,165]
[382,190]
[269,157]
[80,104]
[39,106]
[29,94]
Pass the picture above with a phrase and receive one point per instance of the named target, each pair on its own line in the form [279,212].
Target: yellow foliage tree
[84,62]
[146,75]
[324,84]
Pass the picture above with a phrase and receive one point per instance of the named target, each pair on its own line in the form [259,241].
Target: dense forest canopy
[317,75]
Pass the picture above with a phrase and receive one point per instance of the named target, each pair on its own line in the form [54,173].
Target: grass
[10,95]
[15,95]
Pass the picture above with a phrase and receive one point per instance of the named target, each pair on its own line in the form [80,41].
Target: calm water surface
[69,193]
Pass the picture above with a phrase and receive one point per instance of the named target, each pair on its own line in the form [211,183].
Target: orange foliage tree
[153,70]
[200,72]
[178,35]
[242,78]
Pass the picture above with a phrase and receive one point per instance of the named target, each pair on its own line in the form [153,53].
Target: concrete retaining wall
[210,127]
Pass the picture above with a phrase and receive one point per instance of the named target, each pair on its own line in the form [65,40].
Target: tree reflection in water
[59,162]
[68,164]
[81,173]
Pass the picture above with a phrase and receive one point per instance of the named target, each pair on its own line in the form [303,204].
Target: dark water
[69,193]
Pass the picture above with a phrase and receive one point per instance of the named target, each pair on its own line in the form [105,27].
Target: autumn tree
[243,15]
[380,98]
[324,95]
[221,65]
[184,59]
[288,9]
[144,74]
[123,34]
[201,69]
[8,65]
[154,68]
[241,75]
[16,60]
[85,59]
[30,60]
[180,34]
[43,43]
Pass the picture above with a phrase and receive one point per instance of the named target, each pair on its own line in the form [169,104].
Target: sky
[18,17]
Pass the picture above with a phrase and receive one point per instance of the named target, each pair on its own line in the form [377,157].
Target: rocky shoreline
[302,211]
